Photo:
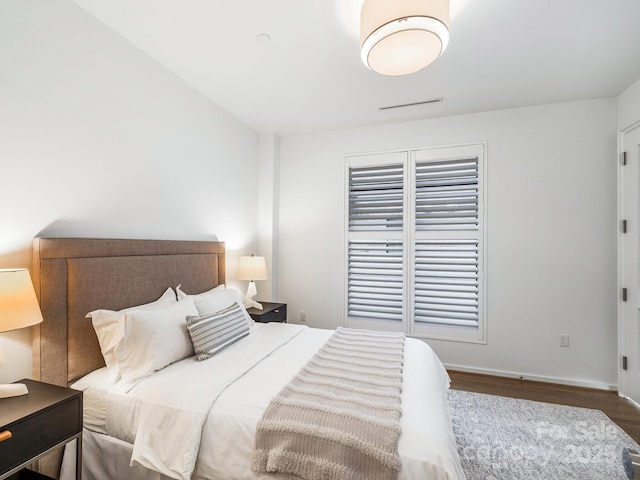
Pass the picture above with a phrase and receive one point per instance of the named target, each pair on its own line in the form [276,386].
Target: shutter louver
[447,195]
[446,282]
[376,198]
[375,275]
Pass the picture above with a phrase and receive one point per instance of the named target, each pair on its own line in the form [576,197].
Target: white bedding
[200,417]
[95,387]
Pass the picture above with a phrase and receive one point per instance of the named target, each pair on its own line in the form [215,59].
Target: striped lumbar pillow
[214,332]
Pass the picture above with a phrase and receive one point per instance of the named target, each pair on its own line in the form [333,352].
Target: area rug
[502,438]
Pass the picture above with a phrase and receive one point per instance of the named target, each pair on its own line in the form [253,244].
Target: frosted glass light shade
[252,268]
[400,37]
[18,304]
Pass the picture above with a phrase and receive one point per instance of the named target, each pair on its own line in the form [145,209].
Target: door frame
[621,254]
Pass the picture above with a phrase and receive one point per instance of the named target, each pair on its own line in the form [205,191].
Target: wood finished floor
[623,412]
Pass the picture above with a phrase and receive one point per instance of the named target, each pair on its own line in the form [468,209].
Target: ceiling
[309,76]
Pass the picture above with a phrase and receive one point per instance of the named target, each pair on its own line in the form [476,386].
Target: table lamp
[252,268]
[18,309]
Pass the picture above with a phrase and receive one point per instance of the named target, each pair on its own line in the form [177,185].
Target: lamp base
[13,390]
[248,299]
[252,304]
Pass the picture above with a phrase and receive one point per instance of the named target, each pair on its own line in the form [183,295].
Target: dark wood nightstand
[32,425]
[271,312]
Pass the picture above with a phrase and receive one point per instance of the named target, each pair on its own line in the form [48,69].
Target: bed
[169,423]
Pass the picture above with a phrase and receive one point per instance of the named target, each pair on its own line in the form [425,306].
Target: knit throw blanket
[339,417]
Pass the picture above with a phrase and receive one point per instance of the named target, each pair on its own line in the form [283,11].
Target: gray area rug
[502,438]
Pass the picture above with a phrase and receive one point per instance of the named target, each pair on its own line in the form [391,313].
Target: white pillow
[109,327]
[215,300]
[213,292]
[153,339]
[214,332]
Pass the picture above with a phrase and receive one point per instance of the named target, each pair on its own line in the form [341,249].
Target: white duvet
[197,419]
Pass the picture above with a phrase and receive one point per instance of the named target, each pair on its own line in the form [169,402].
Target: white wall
[629,106]
[97,139]
[551,198]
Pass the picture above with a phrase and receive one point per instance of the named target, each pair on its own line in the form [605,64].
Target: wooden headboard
[73,276]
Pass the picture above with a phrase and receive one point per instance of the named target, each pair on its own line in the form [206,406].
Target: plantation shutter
[447,195]
[375,280]
[376,198]
[446,282]
[375,260]
[446,287]
[414,247]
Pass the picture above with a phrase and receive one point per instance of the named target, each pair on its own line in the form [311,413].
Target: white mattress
[243,379]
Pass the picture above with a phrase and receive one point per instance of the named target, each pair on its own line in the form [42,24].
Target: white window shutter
[376,280]
[447,195]
[415,242]
[376,198]
[446,282]
[446,261]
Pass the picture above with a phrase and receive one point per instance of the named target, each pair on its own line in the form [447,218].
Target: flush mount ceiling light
[398,37]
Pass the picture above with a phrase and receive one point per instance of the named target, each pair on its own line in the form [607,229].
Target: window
[415,242]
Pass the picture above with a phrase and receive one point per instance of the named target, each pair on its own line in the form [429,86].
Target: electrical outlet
[303,316]
[564,340]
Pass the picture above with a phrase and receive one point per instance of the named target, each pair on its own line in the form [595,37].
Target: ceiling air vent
[414,104]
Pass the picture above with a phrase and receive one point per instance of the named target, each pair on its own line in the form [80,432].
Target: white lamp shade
[252,268]
[403,36]
[18,303]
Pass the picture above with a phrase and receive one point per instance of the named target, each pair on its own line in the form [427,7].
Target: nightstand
[32,425]
[271,312]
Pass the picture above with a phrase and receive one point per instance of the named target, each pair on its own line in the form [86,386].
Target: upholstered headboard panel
[73,276]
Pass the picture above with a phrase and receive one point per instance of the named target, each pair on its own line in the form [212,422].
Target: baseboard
[534,378]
